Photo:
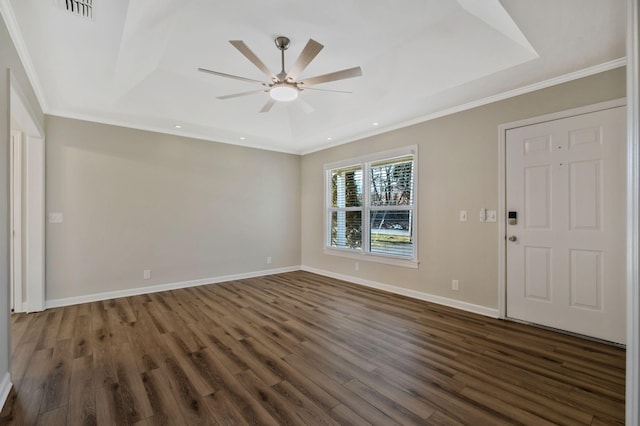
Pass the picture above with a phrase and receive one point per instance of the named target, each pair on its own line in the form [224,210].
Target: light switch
[483,215]
[55,217]
[463,216]
[491,215]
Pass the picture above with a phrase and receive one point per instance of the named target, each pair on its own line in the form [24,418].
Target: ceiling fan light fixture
[283,92]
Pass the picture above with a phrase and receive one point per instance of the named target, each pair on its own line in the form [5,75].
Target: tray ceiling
[134,63]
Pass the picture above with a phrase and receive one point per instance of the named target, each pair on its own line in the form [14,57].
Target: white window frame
[363,253]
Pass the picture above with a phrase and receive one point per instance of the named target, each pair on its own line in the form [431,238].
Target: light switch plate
[55,217]
[463,216]
[491,216]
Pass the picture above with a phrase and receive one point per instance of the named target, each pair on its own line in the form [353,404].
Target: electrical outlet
[269,260]
[455,285]
[146,274]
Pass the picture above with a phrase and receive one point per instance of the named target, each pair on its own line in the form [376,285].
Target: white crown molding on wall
[164,130]
[16,36]
[586,72]
[445,301]
[55,303]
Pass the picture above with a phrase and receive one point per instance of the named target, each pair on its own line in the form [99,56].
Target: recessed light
[177,126]
[329,139]
[241,138]
[375,123]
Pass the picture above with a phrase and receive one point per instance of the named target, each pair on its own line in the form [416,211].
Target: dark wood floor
[298,348]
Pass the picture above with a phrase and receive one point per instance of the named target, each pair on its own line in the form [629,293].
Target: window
[371,207]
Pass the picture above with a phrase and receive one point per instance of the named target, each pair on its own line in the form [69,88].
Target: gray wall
[9,64]
[458,170]
[184,208]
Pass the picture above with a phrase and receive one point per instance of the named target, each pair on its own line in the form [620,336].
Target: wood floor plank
[301,349]
[68,323]
[183,357]
[163,402]
[270,400]
[541,404]
[344,416]
[29,398]
[82,401]
[186,395]
[134,397]
[305,409]
[53,320]
[55,417]
[19,326]
[20,360]
[81,334]
[251,410]
[394,410]
[56,389]
[223,410]
[440,419]
[350,400]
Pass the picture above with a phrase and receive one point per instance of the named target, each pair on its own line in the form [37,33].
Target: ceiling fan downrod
[282,43]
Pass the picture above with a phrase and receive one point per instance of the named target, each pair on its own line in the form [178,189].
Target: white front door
[566,250]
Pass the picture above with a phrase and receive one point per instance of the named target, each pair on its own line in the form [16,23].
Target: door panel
[585,193]
[537,279]
[566,257]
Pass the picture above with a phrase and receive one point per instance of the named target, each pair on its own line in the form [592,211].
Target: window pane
[346,187]
[392,182]
[391,232]
[346,229]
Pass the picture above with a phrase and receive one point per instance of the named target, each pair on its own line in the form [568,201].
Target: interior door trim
[502,182]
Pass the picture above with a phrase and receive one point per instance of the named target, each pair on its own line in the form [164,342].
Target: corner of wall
[5,388]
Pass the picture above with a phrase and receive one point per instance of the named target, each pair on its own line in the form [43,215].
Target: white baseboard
[54,303]
[453,303]
[5,388]
[470,307]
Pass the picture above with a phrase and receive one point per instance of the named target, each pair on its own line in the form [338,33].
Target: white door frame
[633,216]
[33,193]
[15,220]
[502,184]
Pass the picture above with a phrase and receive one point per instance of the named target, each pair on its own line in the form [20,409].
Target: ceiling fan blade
[237,95]
[333,76]
[236,77]
[244,49]
[268,105]
[326,90]
[306,106]
[309,52]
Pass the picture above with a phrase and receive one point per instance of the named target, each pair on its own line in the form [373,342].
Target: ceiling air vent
[82,8]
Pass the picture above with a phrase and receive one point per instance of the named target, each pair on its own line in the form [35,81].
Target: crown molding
[16,36]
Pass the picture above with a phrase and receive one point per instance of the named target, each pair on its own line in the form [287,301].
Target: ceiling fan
[283,87]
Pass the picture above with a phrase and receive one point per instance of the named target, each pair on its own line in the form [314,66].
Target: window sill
[405,263]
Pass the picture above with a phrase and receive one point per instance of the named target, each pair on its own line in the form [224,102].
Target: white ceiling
[135,63]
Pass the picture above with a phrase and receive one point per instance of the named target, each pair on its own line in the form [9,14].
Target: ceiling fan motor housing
[282,42]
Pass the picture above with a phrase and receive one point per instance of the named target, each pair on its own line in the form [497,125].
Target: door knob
[513,238]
